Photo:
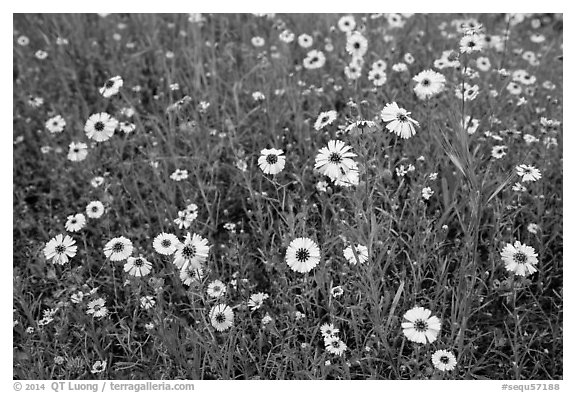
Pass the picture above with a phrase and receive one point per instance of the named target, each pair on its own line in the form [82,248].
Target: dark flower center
[302,255]
[421,325]
[335,158]
[425,82]
[271,159]
[109,84]
[94,209]
[471,44]
[118,247]
[314,59]
[444,359]
[402,117]
[60,248]
[76,150]
[216,288]
[165,243]
[99,126]
[189,252]
[336,344]
[520,257]
[356,45]
[139,262]
[220,317]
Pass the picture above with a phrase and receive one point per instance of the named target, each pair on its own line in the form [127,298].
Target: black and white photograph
[287,196]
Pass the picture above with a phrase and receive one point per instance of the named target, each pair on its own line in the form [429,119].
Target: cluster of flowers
[332,342]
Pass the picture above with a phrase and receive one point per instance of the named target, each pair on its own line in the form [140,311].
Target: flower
[428,84]
[95,209]
[75,222]
[127,127]
[184,219]
[514,88]
[266,319]
[533,228]
[41,54]
[305,40]
[361,127]
[468,93]
[314,59]
[377,76]
[97,181]
[147,302]
[353,71]
[112,86]
[118,249]
[100,126]
[23,40]
[271,161]
[358,254]
[519,258]
[192,252]
[356,44]
[179,174]
[60,248]
[257,41]
[483,63]
[420,326]
[221,317]
[137,267]
[335,346]
[216,289]
[346,23]
[328,330]
[427,193]
[444,360]
[165,243]
[335,160]
[286,36]
[56,124]
[78,151]
[528,172]
[189,274]
[302,255]
[518,187]
[499,151]
[97,309]
[337,291]
[398,120]
[256,300]
[98,367]
[471,43]
[324,119]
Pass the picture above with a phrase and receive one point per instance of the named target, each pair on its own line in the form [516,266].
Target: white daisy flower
[216,289]
[100,126]
[335,160]
[75,222]
[112,86]
[271,161]
[165,243]
[137,267]
[221,317]
[118,249]
[56,124]
[324,119]
[60,248]
[528,173]
[444,360]
[95,209]
[359,254]
[78,151]
[421,326]
[519,259]
[398,120]
[192,252]
[302,255]
[256,300]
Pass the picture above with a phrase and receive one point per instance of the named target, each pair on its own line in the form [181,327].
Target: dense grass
[442,253]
